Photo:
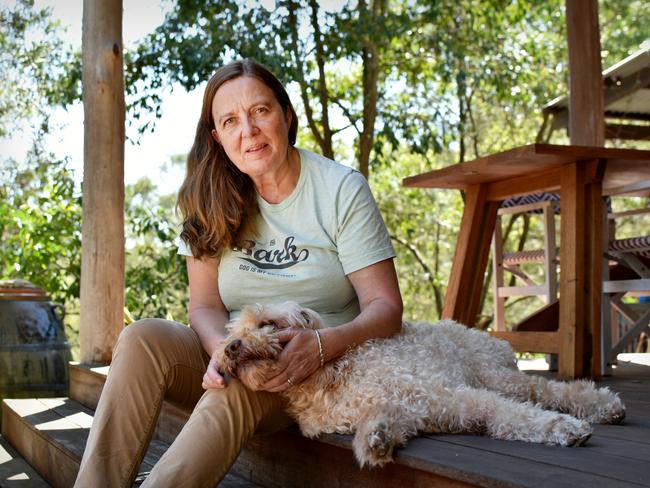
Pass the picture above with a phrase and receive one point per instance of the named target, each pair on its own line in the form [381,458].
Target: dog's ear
[248,318]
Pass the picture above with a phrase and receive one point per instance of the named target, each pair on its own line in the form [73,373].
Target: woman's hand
[212,378]
[299,359]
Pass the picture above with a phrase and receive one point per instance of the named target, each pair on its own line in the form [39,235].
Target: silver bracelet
[320,349]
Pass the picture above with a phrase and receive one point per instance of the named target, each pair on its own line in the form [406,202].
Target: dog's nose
[232,349]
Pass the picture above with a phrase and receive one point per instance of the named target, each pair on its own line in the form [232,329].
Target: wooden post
[573,276]
[102,260]
[587,128]
[586,101]
[470,259]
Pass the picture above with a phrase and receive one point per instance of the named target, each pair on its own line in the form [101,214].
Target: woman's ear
[288,116]
[215,136]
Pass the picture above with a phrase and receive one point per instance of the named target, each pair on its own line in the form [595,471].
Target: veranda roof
[626,88]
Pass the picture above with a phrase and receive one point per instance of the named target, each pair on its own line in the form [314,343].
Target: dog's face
[249,351]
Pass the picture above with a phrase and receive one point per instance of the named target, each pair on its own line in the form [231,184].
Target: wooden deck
[615,456]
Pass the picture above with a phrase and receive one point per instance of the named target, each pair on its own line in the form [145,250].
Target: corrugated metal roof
[627,89]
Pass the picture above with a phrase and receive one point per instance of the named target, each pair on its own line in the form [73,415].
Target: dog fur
[442,377]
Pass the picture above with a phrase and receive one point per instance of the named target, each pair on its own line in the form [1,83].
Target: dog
[429,378]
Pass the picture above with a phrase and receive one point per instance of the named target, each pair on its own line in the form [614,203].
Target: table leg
[573,274]
[470,260]
[596,220]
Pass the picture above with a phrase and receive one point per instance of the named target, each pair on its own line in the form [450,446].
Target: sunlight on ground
[540,364]
[18,477]
[637,358]
[79,420]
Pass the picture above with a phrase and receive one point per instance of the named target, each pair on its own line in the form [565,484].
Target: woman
[263,221]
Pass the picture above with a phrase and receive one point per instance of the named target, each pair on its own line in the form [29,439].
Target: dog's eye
[272,323]
[305,316]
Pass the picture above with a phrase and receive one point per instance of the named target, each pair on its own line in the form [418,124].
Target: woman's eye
[260,110]
[228,122]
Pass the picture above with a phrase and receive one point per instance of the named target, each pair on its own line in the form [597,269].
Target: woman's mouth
[256,148]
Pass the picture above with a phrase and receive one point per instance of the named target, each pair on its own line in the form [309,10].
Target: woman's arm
[207,314]
[381,316]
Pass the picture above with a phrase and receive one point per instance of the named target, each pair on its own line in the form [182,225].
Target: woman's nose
[249,128]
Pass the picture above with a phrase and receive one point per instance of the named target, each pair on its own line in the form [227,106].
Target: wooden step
[86,383]
[15,472]
[51,433]
[289,459]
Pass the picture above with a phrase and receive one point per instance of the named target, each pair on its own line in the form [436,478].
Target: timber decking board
[69,438]
[624,432]
[615,456]
[457,457]
[596,458]
[15,472]
[287,459]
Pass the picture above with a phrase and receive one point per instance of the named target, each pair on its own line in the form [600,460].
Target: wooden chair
[512,262]
[626,271]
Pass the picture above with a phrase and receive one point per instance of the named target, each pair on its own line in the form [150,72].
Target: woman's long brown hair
[218,202]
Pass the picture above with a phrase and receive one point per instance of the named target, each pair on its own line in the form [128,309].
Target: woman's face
[251,126]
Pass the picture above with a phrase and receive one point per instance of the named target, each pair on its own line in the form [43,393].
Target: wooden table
[582,175]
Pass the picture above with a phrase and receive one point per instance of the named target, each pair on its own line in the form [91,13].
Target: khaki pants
[156,359]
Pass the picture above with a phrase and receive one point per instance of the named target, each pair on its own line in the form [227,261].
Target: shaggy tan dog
[429,378]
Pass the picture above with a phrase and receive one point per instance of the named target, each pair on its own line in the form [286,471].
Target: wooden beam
[102,260]
[471,256]
[531,341]
[545,181]
[586,102]
[573,274]
[595,248]
[632,132]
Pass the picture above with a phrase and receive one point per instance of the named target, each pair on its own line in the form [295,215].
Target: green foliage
[38,69]
[40,206]
[455,80]
[422,225]
[40,225]
[40,211]
[156,277]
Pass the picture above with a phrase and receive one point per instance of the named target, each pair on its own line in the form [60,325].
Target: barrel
[34,352]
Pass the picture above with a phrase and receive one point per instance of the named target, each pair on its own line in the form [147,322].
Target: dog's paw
[374,446]
[379,444]
[615,416]
[569,431]
[611,412]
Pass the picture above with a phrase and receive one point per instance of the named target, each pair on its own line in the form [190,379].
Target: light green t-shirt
[305,246]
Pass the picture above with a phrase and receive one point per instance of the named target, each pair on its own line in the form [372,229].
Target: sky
[174,132]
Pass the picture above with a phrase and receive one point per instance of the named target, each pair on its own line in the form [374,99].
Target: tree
[38,69]
[40,225]
[315,48]
[156,276]
[39,206]
[403,86]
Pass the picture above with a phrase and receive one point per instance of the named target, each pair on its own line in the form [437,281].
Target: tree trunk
[323,142]
[328,150]
[370,57]
[102,260]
